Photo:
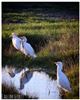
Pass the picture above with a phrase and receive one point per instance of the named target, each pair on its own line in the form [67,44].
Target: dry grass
[52,39]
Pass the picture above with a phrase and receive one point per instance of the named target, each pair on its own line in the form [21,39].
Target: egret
[27,49]
[62,79]
[22,45]
[23,37]
[16,41]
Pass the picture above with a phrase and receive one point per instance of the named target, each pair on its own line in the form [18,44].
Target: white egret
[62,79]
[24,38]
[16,41]
[22,45]
[26,48]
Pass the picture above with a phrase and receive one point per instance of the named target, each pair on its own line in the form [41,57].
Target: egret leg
[62,93]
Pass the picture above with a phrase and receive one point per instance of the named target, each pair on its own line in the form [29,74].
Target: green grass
[42,28]
[52,39]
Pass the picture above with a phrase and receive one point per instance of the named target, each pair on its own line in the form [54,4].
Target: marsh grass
[52,39]
[72,72]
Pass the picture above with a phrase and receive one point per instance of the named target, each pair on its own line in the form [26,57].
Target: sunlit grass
[52,40]
[47,28]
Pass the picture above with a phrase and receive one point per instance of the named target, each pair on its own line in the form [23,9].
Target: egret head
[13,34]
[59,64]
[24,39]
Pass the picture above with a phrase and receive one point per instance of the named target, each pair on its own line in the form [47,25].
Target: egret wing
[28,48]
[16,42]
[64,82]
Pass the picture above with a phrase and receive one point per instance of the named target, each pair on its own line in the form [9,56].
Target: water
[39,85]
